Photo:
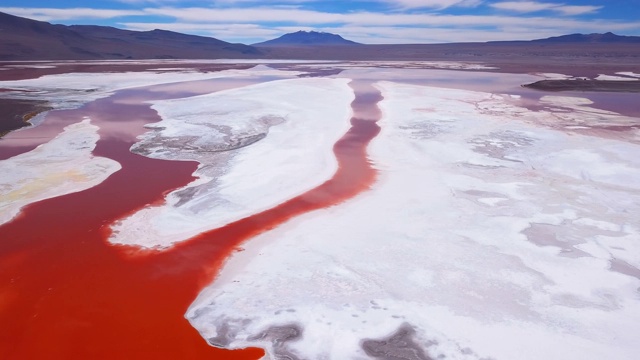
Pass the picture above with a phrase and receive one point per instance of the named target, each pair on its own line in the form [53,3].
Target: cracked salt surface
[277,135]
[62,166]
[488,235]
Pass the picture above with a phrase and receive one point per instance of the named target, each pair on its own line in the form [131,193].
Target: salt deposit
[72,90]
[257,146]
[451,65]
[554,76]
[62,166]
[615,78]
[488,235]
[629,73]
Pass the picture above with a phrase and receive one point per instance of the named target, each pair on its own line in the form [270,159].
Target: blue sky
[367,21]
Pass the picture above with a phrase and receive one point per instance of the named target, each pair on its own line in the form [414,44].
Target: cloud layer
[367,21]
[533,6]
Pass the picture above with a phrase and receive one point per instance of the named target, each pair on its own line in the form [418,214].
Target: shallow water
[68,294]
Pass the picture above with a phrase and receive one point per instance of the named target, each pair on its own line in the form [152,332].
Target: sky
[366,21]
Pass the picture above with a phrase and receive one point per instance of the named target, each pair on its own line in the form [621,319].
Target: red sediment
[65,293]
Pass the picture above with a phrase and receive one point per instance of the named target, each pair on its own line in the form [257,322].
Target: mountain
[26,39]
[606,38]
[307,38]
[591,38]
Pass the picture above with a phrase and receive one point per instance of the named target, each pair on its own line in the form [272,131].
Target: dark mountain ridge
[26,39]
[606,38]
[307,38]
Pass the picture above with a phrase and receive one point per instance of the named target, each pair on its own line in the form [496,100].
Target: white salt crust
[616,78]
[629,73]
[300,119]
[72,90]
[494,237]
[554,76]
[449,65]
[62,166]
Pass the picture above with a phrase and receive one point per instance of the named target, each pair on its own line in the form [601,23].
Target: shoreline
[15,71]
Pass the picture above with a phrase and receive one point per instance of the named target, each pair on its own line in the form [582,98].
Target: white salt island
[61,166]
[257,146]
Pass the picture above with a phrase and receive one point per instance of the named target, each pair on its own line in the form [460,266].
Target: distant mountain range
[591,38]
[307,38]
[606,38]
[26,39]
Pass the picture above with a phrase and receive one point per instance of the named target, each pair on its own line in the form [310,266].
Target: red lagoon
[66,293]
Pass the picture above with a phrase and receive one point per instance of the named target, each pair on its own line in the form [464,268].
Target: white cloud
[534,6]
[251,33]
[523,6]
[254,24]
[214,3]
[49,14]
[422,20]
[441,29]
[434,4]
[577,10]
[136,2]
[277,3]
[227,32]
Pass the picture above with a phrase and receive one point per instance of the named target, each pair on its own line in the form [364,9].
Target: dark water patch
[585,85]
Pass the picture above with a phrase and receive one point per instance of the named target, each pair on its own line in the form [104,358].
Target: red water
[65,293]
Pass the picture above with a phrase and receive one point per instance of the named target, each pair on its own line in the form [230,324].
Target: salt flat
[629,73]
[62,166]
[72,90]
[257,146]
[494,232]
[613,77]
[451,65]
